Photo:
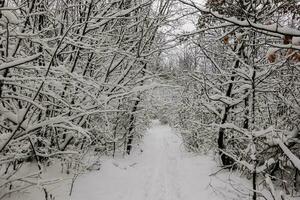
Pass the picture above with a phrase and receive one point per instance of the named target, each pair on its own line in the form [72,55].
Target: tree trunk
[131,127]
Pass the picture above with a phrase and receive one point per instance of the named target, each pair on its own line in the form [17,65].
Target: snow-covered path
[163,171]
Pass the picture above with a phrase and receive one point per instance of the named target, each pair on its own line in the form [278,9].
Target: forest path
[163,171]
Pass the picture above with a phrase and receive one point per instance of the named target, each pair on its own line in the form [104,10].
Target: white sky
[188,25]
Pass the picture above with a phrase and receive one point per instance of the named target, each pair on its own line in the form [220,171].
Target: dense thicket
[241,89]
[72,78]
[73,75]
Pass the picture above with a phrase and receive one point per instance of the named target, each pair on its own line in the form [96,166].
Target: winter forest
[149,99]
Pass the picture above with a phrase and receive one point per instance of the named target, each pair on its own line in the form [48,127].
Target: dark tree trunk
[131,127]
[226,160]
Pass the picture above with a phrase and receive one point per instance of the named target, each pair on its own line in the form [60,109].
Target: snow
[18,62]
[272,28]
[158,169]
[161,170]
[296,40]
[10,16]
[295,160]
[56,183]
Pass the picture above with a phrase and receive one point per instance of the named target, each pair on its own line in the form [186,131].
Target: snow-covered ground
[162,170]
[159,169]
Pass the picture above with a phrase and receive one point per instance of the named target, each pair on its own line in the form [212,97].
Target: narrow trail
[163,171]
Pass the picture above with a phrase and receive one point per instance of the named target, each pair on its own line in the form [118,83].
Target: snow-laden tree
[248,83]
[72,78]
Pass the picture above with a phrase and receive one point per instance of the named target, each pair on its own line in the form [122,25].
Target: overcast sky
[190,21]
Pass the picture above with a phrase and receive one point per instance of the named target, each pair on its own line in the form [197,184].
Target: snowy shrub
[72,83]
[241,79]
